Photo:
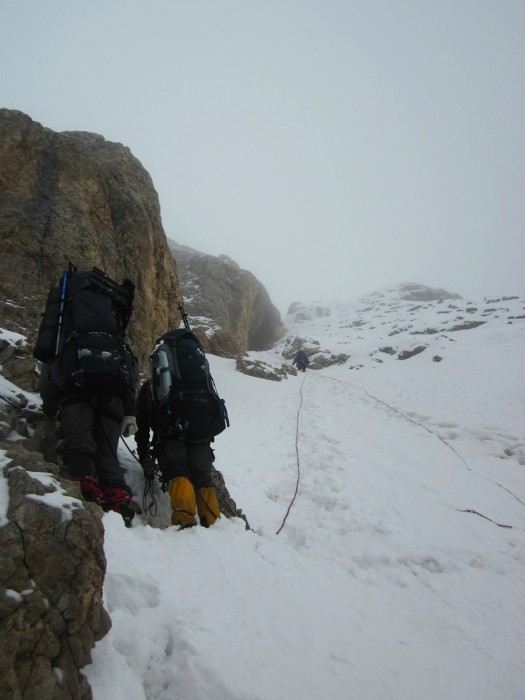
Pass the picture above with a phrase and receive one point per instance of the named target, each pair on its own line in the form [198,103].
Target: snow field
[398,571]
[377,585]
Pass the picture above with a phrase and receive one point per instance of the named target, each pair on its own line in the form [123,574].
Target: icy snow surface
[383,582]
[399,571]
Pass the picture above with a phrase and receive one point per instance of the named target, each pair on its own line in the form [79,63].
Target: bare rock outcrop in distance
[419,292]
[76,197]
[228,307]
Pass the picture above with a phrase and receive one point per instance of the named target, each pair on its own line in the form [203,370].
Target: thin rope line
[451,447]
[421,425]
[471,510]
[296,457]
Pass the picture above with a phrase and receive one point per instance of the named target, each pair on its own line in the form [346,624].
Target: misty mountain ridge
[394,323]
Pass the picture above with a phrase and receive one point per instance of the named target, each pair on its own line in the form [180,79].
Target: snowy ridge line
[429,430]
[296,456]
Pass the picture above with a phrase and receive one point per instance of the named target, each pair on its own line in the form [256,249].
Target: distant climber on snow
[301,360]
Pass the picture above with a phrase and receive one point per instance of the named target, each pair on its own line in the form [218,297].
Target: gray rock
[76,197]
[229,308]
[53,568]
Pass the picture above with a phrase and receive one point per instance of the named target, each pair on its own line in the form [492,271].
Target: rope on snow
[451,447]
[471,510]
[296,456]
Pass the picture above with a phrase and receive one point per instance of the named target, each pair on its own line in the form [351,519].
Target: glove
[148,467]
[129,426]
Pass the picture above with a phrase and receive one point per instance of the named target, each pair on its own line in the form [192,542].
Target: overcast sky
[331,147]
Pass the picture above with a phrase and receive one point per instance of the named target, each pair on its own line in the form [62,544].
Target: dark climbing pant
[91,429]
[191,459]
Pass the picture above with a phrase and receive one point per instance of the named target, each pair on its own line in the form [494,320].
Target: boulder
[229,308]
[53,565]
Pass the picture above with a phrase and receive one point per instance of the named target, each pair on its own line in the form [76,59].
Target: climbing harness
[296,456]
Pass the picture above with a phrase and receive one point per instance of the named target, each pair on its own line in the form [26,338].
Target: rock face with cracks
[229,308]
[76,197]
[53,565]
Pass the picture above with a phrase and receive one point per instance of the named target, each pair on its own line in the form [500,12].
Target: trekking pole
[65,276]
[11,403]
[184,318]
[61,311]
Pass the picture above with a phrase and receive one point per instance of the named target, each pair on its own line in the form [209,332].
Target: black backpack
[82,332]
[183,388]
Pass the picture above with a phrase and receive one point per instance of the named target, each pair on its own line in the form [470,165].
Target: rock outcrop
[228,307]
[76,197]
[52,567]
[420,292]
[63,197]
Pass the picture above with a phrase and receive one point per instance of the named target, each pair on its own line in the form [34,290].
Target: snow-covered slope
[393,323]
[386,557]
[387,504]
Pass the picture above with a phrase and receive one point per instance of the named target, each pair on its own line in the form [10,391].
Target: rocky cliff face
[64,197]
[53,565]
[76,197]
[228,307]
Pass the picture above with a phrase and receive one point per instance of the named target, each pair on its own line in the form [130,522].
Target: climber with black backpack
[179,413]
[88,380]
